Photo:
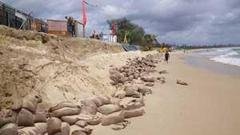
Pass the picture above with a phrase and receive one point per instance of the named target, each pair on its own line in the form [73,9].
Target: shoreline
[194,60]
[209,105]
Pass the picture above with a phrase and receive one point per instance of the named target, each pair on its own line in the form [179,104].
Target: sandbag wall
[133,81]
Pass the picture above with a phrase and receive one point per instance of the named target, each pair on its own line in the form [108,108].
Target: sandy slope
[208,106]
[58,69]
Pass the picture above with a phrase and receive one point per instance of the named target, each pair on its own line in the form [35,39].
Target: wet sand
[208,106]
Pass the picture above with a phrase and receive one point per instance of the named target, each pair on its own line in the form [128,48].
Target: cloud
[174,21]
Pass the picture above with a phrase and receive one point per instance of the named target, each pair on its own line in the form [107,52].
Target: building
[7,15]
[79,29]
[109,37]
[57,27]
[39,25]
[60,28]
[14,18]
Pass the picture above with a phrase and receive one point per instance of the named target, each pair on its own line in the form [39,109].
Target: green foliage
[133,32]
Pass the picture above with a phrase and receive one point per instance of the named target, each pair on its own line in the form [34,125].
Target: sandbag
[17,105]
[82,123]
[148,79]
[7,116]
[63,105]
[150,84]
[78,132]
[144,90]
[38,129]
[120,94]
[76,128]
[65,129]
[89,107]
[132,91]
[130,103]
[9,129]
[70,119]
[108,109]
[66,111]
[25,118]
[4,121]
[41,128]
[30,102]
[40,117]
[112,119]
[53,126]
[28,131]
[59,133]
[101,100]
[133,113]
[74,118]
[95,120]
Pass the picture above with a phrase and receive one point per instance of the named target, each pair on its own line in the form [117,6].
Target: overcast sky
[174,21]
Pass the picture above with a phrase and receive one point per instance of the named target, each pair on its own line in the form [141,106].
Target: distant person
[167,55]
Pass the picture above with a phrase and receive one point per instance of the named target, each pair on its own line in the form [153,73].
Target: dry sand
[59,70]
[208,106]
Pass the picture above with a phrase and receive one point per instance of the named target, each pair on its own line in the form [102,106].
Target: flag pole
[84,17]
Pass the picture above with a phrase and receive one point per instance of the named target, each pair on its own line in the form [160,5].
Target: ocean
[223,60]
[229,56]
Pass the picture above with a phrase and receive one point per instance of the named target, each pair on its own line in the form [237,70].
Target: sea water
[230,56]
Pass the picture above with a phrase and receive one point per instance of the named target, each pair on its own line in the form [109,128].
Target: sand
[209,105]
[62,69]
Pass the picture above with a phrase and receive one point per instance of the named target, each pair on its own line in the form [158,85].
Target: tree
[125,27]
[134,33]
[148,42]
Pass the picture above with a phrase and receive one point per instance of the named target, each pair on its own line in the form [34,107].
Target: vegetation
[133,33]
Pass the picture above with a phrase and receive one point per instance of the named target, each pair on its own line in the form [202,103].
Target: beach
[209,105]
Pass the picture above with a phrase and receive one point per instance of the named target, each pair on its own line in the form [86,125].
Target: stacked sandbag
[133,81]
[134,69]
[7,122]
[66,111]
[30,120]
[89,106]
[113,118]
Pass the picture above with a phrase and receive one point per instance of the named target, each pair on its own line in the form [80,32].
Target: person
[70,25]
[167,55]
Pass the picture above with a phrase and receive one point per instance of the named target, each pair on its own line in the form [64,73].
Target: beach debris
[180,82]
[161,79]
[163,72]
[122,125]
[149,84]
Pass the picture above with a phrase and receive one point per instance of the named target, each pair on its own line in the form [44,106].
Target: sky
[173,21]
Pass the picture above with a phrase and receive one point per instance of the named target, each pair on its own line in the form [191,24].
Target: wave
[230,57]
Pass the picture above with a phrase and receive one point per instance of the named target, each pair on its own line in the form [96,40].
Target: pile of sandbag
[134,69]
[23,118]
[133,82]
[134,79]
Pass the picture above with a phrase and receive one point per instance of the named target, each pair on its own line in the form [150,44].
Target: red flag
[84,12]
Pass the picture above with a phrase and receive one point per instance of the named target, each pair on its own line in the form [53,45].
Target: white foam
[228,58]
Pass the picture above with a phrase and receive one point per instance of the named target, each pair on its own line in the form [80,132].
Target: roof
[51,20]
